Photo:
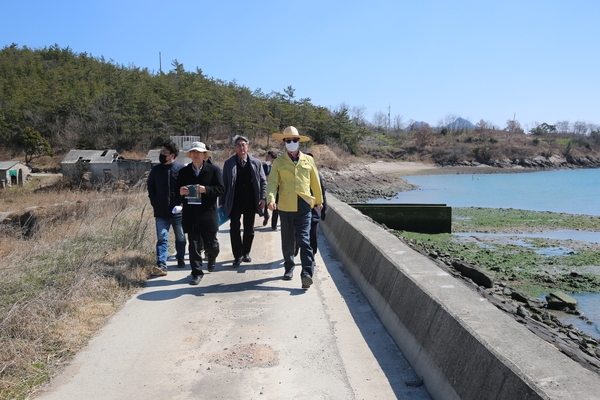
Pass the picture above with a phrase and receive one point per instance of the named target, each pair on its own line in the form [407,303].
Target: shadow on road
[175,292]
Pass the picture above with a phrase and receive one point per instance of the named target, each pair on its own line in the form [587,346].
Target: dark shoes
[306,281]
[180,263]
[266,221]
[288,275]
[159,270]
[211,266]
[238,260]
[196,279]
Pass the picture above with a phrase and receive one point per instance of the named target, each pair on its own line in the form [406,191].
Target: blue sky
[426,60]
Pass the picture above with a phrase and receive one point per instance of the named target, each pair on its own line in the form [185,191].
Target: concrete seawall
[461,345]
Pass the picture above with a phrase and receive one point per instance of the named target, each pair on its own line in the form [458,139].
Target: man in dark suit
[200,220]
[245,193]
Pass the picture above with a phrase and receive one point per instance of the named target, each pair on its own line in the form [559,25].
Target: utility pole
[159,63]
[389,118]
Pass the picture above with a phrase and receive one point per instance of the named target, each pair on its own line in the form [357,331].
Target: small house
[13,173]
[102,166]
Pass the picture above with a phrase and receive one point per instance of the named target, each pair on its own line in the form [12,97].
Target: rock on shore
[358,183]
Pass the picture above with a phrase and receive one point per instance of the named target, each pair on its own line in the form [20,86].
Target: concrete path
[243,333]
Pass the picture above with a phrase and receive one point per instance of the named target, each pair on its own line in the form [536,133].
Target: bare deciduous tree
[398,123]
[563,126]
[358,115]
[448,119]
[580,128]
[513,126]
[482,126]
[380,120]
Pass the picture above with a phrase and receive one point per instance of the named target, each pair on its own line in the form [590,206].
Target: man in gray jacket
[245,193]
[163,196]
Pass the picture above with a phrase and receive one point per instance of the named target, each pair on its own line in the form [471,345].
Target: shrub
[482,154]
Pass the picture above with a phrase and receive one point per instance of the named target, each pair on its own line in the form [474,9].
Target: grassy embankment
[66,267]
[533,266]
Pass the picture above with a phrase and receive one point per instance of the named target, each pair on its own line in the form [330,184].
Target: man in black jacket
[200,219]
[245,193]
[164,196]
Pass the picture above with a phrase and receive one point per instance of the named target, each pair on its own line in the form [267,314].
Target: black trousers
[241,246]
[197,241]
[275,214]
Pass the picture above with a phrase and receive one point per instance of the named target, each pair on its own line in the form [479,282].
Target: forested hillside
[53,100]
[76,101]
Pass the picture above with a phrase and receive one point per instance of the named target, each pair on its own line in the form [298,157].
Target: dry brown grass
[67,265]
[331,157]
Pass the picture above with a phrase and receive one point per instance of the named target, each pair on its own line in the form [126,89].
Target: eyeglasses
[290,140]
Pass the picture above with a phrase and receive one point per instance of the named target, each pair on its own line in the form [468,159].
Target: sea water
[567,191]
[564,191]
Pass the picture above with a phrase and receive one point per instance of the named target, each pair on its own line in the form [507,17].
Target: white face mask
[268,162]
[291,146]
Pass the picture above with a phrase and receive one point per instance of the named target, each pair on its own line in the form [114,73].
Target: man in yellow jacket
[295,178]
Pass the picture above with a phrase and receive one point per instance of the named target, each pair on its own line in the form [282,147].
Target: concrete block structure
[461,345]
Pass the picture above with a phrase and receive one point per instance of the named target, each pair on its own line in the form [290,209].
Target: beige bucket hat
[199,146]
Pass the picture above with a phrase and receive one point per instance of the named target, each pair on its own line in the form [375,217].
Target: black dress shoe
[288,275]
[196,279]
[237,261]
[211,265]
[247,258]
[306,281]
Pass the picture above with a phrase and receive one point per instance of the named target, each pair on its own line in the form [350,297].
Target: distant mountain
[419,125]
[461,123]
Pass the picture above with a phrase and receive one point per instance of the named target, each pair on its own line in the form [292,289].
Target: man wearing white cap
[294,176]
[200,219]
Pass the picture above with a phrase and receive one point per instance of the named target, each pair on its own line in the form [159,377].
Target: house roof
[153,156]
[91,156]
[6,165]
